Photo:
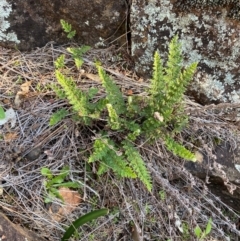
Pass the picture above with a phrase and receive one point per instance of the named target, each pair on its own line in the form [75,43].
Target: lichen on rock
[232,6]
[5,10]
[36,23]
[208,36]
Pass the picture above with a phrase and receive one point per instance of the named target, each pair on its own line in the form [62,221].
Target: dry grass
[176,196]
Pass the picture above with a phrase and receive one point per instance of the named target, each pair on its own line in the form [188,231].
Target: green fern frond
[119,166]
[76,97]
[157,85]
[177,81]
[113,120]
[100,150]
[152,127]
[167,89]
[102,169]
[59,91]
[68,29]
[66,26]
[79,51]
[134,107]
[59,63]
[137,163]
[114,95]
[58,116]
[188,73]
[135,130]
[110,158]
[180,121]
[77,54]
[176,92]
[178,149]
[98,106]
[92,92]
[174,63]
[71,34]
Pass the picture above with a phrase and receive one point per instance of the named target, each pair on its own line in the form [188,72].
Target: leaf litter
[135,214]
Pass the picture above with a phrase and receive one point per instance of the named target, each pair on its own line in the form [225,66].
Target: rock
[13,232]
[34,154]
[225,158]
[221,174]
[209,32]
[28,24]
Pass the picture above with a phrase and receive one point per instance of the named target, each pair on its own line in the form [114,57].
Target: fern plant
[166,91]
[160,115]
[165,106]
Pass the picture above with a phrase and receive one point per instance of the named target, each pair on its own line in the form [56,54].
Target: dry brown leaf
[25,86]
[23,92]
[136,233]
[10,136]
[93,77]
[17,100]
[129,92]
[71,200]
[6,101]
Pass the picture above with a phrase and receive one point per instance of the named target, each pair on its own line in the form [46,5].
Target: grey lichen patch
[146,19]
[233,6]
[212,88]
[5,10]
[207,36]
[100,43]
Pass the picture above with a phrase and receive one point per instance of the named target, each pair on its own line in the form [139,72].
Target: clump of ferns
[159,115]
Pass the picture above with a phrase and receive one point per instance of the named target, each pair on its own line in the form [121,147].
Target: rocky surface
[12,232]
[209,33]
[221,173]
[28,24]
